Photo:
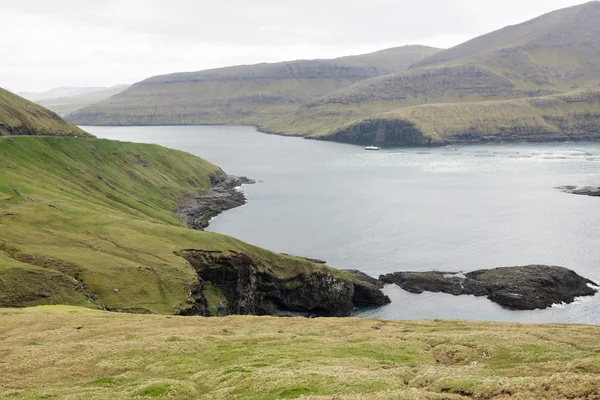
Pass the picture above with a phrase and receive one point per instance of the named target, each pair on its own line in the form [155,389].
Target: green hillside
[90,222]
[554,53]
[247,94]
[73,353]
[570,116]
[22,117]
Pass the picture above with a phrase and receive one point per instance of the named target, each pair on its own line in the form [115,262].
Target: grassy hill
[90,222]
[74,353]
[573,115]
[554,53]
[22,117]
[64,101]
[247,94]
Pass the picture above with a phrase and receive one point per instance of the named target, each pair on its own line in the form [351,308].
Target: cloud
[75,43]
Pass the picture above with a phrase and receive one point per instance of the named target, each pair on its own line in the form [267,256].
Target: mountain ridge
[552,54]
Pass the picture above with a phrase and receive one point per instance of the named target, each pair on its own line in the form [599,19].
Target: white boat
[372,148]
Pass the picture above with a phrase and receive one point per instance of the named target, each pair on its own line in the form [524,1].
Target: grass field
[63,352]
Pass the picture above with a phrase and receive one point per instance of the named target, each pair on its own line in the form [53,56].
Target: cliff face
[250,94]
[233,283]
[573,116]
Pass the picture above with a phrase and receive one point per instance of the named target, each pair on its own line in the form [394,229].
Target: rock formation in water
[233,283]
[515,288]
[581,190]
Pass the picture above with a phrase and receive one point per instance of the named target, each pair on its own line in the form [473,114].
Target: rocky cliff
[233,283]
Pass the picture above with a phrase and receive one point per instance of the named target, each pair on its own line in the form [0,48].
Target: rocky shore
[233,283]
[196,209]
[581,190]
[516,288]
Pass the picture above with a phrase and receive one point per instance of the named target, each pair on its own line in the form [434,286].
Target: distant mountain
[246,94]
[19,116]
[58,92]
[66,100]
[572,116]
[556,53]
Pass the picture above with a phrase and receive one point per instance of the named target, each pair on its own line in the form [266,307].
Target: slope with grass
[571,116]
[22,117]
[246,94]
[69,352]
[554,53]
[90,222]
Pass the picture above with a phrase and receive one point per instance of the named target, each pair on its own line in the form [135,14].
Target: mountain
[571,116]
[247,94]
[554,53]
[64,101]
[22,117]
[59,92]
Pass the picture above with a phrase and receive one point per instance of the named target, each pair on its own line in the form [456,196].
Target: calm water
[454,209]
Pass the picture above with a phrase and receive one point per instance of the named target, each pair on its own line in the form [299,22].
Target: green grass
[82,354]
[22,117]
[96,216]
[574,114]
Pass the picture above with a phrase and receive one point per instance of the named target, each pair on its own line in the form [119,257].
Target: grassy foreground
[74,353]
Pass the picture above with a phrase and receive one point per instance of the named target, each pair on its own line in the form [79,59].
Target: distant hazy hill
[22,117]
[249,94]
[66,100]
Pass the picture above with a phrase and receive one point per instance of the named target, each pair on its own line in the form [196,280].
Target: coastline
[197,209]
[465,139]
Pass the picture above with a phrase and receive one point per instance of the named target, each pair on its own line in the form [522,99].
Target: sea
[456,209]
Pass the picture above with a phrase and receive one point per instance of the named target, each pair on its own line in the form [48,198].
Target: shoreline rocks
[233,283]
[515,288]
[197,209]
[581,190]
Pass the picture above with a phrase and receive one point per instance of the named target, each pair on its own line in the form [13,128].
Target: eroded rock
[233,283]
[516,288]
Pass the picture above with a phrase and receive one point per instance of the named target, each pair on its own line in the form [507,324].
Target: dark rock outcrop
[516,288]
[233,283]
[581,190]
[361,276]
[196,209]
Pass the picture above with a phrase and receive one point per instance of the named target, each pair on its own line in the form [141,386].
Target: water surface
[453,209]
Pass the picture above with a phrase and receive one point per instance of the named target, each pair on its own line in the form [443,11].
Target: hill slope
[80,354]
[90,222]
[22,117]
[554,53]
[247,94]
[64,101]
[573,116]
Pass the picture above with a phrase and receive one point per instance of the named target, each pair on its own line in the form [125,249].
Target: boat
[372,148]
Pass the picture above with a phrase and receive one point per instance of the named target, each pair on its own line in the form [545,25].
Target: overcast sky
[52,43]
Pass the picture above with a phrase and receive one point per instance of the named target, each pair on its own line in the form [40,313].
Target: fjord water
[449,209]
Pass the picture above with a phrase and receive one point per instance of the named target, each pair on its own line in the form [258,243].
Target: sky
[56,43]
